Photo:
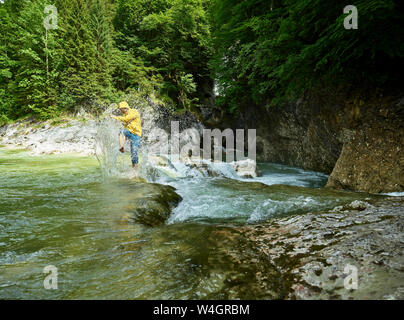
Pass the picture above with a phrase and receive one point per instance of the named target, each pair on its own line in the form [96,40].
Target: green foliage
[7,62]
[172,38]
[101,49]
[4,120]
[276,50]
[257,51]
[86,52]
[186,86]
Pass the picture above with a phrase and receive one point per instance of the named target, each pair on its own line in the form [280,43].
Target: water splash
[152,167]
[107,148]
[112,162]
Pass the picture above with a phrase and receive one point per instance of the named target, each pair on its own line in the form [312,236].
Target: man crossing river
[132,130]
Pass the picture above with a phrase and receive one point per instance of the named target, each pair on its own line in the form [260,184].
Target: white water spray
[107,148]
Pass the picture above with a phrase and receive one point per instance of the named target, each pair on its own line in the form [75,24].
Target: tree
[30,83]
[7,61]
[85,50]
[272,51]
[170,36]
[186,86]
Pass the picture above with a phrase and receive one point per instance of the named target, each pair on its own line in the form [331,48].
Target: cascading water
[152,167]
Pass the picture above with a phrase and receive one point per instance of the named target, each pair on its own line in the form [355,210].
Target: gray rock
[307,254]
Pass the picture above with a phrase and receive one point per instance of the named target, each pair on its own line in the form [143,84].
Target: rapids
[63,210]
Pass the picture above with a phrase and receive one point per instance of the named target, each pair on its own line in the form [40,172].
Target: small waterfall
[198,168]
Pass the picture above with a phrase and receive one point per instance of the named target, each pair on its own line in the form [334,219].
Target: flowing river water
[61,210]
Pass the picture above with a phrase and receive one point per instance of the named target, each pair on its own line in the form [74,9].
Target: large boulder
[372,160]
[151,204]
[196,166]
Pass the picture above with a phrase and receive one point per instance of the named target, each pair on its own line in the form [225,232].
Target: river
[61,210]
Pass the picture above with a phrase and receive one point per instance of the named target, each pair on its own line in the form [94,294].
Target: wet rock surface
[246,168]
[151,203]
[306,256]
[372,159]
[357,138]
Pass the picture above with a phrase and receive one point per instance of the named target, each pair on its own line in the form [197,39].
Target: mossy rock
[152,203]
[139,180]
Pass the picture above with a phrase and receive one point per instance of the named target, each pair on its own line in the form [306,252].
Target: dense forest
[254,52]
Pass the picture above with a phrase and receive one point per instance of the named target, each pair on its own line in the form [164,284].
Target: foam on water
[270,207]
[394,194]
[229,198]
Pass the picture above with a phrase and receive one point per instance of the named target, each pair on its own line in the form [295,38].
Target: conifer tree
[78,79]
[33,84]
[7,61]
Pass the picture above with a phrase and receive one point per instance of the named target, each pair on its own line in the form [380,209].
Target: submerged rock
[151,203]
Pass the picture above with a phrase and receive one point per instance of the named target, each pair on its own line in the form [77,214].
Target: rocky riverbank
[305,256]
[68,136]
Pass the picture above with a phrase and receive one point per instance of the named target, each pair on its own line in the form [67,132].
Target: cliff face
[358,142]
[372,156]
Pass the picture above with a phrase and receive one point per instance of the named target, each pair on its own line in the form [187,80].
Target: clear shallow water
[273,173]
[59,210]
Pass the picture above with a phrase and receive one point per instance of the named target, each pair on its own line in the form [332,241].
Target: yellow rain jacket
[131,121]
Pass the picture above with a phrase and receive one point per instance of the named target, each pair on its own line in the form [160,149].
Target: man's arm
[117,118]
[132,115]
